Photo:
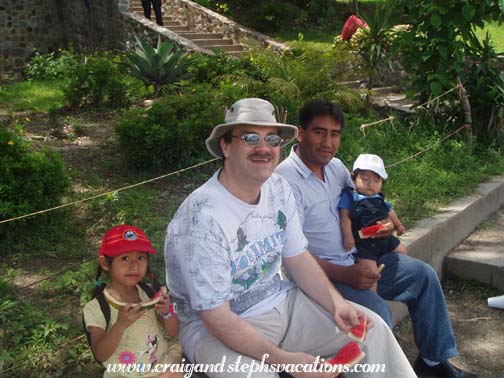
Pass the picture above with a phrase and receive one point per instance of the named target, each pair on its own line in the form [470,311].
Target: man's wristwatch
[172,311]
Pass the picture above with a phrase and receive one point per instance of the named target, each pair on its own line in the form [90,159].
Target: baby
[365,206]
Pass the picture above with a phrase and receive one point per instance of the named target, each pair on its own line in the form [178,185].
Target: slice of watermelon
[119,305]
[358,332]
[349,355]
[366,232]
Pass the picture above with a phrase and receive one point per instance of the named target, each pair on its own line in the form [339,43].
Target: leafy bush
[266,15]
[485,84]
[323,13]
[172,133]
[51,66]
[29,181]
[101,81]
[435,48]
[210,68]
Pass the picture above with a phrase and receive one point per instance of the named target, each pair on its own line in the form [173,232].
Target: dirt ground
[479,329]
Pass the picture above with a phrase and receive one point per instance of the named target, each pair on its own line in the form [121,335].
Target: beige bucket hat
[249,111]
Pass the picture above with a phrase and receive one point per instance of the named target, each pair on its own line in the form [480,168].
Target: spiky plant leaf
[159,66]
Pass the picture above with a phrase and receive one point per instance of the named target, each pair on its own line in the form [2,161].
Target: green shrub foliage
[442,47]
[51,66]
[101,81]
[29,180]
[172,133]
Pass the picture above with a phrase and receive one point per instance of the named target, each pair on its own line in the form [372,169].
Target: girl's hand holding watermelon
[167,313]
[164,305]
[129,314]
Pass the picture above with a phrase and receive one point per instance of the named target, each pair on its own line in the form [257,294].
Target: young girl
[365,206]
[134,334]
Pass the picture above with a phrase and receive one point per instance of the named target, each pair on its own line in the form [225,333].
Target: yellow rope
[106,193]
[441,95]
[428,148]
[366,125]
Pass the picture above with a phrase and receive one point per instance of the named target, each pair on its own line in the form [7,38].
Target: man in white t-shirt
[224,251]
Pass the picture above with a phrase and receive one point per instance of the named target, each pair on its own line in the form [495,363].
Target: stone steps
[178,28]
[485,266]
[196,35]
[212,42]
[385,97]
[432,239]
[209,41]
[227,48]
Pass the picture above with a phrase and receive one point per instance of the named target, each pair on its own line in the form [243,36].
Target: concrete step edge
[432,238]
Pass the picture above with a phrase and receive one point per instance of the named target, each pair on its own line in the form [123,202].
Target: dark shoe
[442,370]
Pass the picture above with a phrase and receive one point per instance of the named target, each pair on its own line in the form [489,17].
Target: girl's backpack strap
[105,309]
[147,289]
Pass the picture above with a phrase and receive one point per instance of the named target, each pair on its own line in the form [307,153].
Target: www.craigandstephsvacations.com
[249,367]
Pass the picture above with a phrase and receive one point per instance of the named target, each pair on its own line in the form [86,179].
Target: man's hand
[360,276]
[347,316]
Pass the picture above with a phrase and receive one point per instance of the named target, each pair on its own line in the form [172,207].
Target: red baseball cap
[123,239]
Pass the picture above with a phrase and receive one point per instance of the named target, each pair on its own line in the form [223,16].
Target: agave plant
[163,65]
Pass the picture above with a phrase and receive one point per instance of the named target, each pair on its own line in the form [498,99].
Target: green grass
[321,39]
[496,33]
[39,96]
[325,37]
[463,288]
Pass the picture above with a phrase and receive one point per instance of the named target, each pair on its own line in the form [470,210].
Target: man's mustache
[261,155]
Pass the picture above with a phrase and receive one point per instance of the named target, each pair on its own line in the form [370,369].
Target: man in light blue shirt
[317,179]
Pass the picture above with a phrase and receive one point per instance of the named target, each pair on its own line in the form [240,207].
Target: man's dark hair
[320,108]
[228,137]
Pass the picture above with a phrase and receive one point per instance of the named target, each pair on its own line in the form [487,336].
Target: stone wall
[135,24]
[27,26]
[91,24]
[201,19]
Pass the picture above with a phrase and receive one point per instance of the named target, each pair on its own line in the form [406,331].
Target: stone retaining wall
[203,20]
[138,25]
[27,26]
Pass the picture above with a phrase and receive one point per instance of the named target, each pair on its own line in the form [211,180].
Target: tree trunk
[466,106]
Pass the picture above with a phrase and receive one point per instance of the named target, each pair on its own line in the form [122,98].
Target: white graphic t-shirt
[219,248]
